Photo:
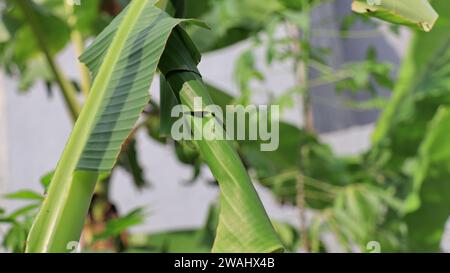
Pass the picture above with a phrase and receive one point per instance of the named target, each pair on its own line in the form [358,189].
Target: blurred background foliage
[396,193]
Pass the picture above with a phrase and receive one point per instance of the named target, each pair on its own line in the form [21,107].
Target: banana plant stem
[67,88]
[303,79]
[61,217]
[78,43]
[219,155]
[301,67]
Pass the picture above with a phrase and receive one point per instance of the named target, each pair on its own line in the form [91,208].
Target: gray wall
[3,139]
[329,110]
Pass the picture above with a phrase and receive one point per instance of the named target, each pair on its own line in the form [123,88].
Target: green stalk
[78,43]
[61,217]
[244,225]
[241,209]
[303,57]
[303,69]
[308,118]
[67,89]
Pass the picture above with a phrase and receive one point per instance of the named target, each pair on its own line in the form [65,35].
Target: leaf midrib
[86,121]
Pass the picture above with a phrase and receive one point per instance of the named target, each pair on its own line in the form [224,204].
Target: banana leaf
[430,197]
[123,60]
[243,223]
[406,133]
[416,13]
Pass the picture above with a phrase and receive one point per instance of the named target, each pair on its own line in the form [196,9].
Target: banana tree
[421,98]
[123,60]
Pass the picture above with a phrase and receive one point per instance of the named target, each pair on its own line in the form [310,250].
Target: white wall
[3,140]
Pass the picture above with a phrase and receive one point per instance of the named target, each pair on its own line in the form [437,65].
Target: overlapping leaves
[407,142]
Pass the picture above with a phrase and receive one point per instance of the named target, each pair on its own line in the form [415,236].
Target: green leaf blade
[25,195]
[127,86]
[413,126]
[429,204]
[416,13]
[123,61]
[243,223]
